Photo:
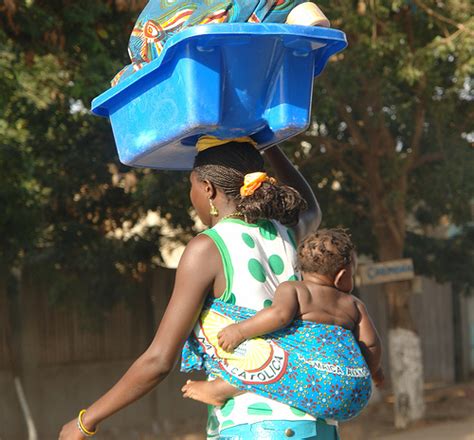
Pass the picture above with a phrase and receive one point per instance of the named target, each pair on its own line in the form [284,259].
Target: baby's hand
[230,337]
[379,378]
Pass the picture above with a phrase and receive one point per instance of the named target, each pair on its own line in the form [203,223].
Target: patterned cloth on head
[161,19]
[315,368]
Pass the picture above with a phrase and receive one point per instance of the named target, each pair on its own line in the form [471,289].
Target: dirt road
[453,430]
[449,416]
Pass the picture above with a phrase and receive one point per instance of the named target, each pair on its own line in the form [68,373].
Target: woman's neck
[226,210]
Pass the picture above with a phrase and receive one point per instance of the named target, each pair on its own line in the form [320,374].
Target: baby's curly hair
[326,252]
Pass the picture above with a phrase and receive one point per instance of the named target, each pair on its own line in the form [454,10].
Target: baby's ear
[339,278]
[340,281]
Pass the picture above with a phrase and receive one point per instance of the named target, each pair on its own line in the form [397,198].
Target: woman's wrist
[83,425]
[268,152]
[89,422]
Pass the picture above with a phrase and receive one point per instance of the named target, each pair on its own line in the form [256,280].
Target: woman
[216,180]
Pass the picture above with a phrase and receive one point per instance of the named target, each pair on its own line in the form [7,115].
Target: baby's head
[330,254]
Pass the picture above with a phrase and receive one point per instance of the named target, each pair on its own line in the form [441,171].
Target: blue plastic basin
[224,80]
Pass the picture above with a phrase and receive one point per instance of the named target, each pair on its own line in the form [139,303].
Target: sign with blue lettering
[377,273]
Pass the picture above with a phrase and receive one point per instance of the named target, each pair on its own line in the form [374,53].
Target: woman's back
[256,258]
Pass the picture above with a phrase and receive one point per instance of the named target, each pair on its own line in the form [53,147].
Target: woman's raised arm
[287,174]
[194,279]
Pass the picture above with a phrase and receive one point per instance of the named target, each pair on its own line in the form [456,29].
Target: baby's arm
[275,317]
[369,342]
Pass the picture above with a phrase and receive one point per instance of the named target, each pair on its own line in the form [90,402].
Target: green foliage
[67,202]
[447,260]
[391,122]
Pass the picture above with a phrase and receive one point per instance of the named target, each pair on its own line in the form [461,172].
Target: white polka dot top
[256,259]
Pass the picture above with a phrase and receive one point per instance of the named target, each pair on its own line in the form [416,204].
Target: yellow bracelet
[81,426]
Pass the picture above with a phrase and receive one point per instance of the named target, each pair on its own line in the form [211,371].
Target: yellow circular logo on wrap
[254,361]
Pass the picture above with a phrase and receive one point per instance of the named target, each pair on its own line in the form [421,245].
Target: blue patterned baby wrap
[161,19]
[315,368]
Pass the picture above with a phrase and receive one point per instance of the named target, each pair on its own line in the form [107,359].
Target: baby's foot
[307,14]
[203,391]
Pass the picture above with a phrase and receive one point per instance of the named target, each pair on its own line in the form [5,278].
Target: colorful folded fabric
[315,368]
[160,20]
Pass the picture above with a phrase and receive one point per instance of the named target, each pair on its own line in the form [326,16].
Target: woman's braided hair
[226,165]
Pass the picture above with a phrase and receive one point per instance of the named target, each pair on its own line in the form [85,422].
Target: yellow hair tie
[206,142]
[253,181]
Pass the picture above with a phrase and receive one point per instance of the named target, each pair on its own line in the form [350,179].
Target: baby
[327,261]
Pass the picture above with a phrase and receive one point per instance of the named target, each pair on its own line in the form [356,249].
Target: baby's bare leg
[214,392]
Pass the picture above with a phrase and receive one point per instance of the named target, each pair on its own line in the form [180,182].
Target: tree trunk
[405,355]
[406,368]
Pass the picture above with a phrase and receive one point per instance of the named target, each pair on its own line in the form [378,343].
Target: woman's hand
[287,174]
[230,337]
[70,431]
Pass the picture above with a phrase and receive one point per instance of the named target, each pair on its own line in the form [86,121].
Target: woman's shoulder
[200,241]
[201,246]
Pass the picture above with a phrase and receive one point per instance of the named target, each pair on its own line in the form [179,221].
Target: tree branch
[351,123]
[382,217]
[417,135]
[335,149]
[419,124]
[448,39]
[346,168]
[10,9]
[440,17]
[343,146]
[425,159]
[386,219]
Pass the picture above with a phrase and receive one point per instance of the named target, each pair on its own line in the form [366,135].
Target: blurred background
[88,247]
